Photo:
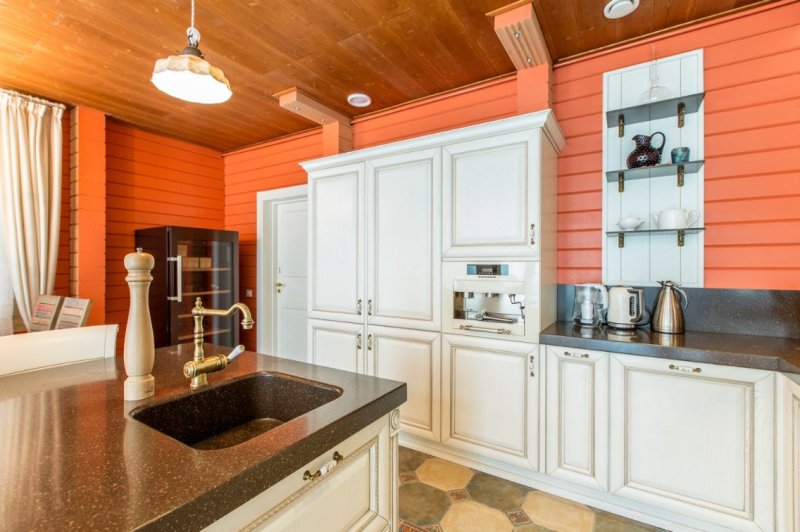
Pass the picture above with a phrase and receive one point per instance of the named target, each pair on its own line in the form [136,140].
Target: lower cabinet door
[336,345]
[357,492]
[413,357]
[697,439]
[788,439]
[490,399]
[576,447]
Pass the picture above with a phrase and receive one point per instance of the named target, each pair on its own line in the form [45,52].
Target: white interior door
[290,223]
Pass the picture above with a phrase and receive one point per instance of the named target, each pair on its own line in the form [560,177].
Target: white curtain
[30,196]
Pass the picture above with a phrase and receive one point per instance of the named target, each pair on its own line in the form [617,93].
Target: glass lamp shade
[192,79]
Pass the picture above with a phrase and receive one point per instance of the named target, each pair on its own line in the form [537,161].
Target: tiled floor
[440,496]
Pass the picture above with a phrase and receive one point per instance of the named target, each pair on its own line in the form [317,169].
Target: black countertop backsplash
[716,310]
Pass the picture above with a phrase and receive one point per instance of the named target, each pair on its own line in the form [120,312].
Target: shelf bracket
[621,240]
[681,173]
[621,125]
[681,238]
[621,182]
[681,113]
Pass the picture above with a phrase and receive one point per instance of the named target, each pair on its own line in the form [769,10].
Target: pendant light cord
[192,35]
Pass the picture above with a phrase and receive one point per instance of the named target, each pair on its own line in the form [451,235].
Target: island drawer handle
[576,355]
[685,369]
[324,470]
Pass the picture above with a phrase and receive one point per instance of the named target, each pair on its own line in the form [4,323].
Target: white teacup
[629,222]
[675,218]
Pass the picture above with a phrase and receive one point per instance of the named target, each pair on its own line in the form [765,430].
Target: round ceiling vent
[620,8]
[359,100]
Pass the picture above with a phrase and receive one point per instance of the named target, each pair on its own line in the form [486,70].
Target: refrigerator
[192,263]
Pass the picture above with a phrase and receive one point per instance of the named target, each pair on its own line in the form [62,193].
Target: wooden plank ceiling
[100,53]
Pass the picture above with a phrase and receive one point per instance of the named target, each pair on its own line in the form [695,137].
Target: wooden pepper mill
[139,345]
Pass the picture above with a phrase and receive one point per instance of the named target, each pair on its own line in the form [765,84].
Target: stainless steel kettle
[667,312]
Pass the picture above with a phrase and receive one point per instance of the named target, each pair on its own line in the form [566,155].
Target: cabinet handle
[485,329]
[358,341]
[178,260]
[685,369]
[530,366]
[369,307]
[358,307]
[369,342]
[533,234]
[324,470]
[576,355]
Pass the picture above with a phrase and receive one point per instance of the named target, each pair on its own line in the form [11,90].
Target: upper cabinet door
[336,243]
[491,196]
[403,240]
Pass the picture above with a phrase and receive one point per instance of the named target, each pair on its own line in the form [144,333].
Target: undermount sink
[235,411]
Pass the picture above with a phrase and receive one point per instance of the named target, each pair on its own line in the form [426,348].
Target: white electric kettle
[625,307]
[675,218]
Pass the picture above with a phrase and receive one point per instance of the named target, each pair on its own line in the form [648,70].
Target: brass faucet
[200,366]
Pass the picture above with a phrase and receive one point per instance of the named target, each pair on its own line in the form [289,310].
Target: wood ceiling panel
[100,53]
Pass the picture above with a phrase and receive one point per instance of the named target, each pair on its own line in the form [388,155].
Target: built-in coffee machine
[491,299]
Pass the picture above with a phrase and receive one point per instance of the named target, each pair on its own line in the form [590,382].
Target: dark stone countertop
[746,351]
[71,457]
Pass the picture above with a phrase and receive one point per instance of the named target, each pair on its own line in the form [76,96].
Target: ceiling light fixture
[620,8]
[358,99]
[189,76]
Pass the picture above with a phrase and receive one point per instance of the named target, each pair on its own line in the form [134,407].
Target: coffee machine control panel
[489,270]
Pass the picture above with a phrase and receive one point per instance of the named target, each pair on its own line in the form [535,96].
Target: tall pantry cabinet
[378,221]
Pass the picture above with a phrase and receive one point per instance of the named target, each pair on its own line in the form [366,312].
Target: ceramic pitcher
[645,153]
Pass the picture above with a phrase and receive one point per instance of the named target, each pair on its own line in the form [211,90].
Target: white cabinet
[788,440]
[336,345]
[375,241]
[696,439]
[413,357]
[336,243]
[358,493]
[577,416]
[403,240]
[490,399]
[491,196]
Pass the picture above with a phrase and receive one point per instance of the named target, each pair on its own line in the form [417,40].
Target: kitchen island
[71,456]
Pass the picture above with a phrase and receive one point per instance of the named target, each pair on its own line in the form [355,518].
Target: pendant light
[189,76]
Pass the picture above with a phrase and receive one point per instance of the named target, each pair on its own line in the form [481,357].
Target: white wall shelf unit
[667,96]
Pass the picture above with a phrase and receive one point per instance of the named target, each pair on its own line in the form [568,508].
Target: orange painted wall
[62,268]
[752,149]
[248,171]
[153,180]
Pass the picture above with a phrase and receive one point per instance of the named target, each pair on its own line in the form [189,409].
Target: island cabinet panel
[336,245]
[788,440]
[490,399]
[403,240]
[337,345]
[491,196]
[577,416]
[413,357]
[349,487]
[697,439]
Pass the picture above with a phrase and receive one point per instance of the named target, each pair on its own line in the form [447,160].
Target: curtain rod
[33,98]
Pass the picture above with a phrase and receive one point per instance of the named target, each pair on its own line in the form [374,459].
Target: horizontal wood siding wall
[752,148]
[152,181]
[62,268]
[264,167]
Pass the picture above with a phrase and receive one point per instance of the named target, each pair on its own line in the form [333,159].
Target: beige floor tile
[444,475]
[470,516]
[558,514]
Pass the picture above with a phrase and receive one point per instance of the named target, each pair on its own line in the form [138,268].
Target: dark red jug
[645,154]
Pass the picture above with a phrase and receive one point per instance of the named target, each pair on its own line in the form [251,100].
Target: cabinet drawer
[355,495]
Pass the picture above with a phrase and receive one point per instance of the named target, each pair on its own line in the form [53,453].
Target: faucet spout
[197,369]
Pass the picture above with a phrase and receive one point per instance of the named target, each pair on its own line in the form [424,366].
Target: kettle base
[621,325]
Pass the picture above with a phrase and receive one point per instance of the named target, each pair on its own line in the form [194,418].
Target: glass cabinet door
[205,269]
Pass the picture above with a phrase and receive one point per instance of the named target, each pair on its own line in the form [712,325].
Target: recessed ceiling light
[620,8]
[359,100]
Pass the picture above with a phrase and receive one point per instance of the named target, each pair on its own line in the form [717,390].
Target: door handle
[178,260]
[278,287]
